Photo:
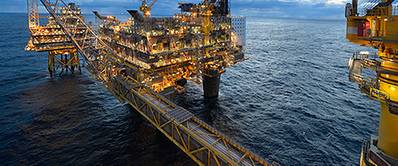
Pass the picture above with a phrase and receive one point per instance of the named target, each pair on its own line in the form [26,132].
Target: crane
[375,25]
[146,8]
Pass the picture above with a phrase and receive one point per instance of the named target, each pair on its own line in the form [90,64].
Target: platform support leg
[74,62]
[383,150]
[51,64]
[211,84]
[388,125]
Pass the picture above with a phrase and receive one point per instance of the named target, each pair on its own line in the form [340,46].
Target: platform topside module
[197,44]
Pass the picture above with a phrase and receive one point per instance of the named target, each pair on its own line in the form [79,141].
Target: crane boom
[146,8]
[152,3]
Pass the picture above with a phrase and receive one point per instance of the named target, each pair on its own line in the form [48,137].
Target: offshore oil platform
[375,24]
[161,52]
[144,60]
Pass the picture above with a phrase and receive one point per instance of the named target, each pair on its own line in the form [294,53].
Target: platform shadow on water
[76,120]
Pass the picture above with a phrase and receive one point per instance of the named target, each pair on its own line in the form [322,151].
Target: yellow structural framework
[377,27]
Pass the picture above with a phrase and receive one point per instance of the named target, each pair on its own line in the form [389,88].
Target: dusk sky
[313,9]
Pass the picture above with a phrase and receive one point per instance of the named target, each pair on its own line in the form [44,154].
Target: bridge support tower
[65,60]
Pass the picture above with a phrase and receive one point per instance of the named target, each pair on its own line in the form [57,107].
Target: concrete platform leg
[211,85]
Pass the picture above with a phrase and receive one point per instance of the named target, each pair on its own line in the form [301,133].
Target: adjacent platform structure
[375,24]
[139,59]
[62,54]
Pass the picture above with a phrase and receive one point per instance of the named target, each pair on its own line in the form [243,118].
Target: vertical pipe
[72,62]
[388,125]
[51,64]
[388,132]
[354,7]
[67,63]
[62,64]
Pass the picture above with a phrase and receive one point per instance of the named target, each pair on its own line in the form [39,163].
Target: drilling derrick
[50,38]
[375,24]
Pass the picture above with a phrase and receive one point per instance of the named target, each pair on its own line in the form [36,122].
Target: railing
[371,155]
[369,85]
[204,144]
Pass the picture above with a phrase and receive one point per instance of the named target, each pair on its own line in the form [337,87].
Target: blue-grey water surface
[290,102]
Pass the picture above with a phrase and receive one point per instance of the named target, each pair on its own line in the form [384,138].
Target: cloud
[336,2]
[298,2]
[270,8]
[274,11]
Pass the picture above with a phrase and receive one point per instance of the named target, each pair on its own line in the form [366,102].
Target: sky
[311,9]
